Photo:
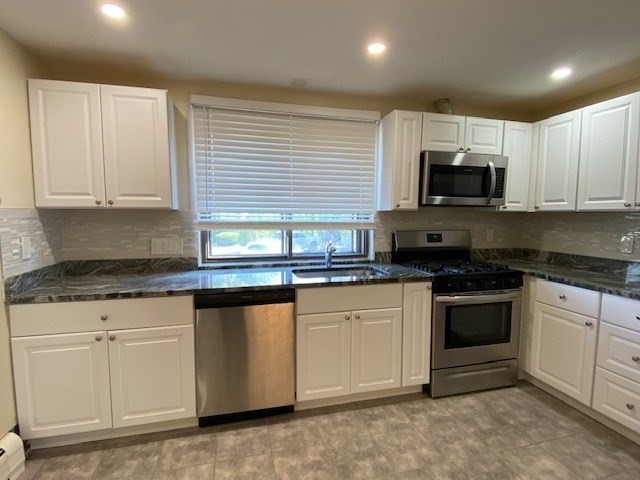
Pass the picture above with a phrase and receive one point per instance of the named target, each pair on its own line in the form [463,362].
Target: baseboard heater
[11,457]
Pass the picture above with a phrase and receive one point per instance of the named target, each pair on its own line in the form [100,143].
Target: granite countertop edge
[88,288]
[610,284]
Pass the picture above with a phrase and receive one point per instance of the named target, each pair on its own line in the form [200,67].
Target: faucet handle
[330,247]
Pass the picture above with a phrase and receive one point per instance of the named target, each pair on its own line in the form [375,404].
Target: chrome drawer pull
[630,406]
[562,297]
[635,358]
[589,324]
[637,317]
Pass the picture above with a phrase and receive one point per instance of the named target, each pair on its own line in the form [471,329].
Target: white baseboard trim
[75,438]
[581,407]
[356,397]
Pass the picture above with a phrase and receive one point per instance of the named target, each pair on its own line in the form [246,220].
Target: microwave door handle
[424,172]
[492,187]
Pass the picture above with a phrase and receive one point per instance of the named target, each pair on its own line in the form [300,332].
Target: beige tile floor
[512,433]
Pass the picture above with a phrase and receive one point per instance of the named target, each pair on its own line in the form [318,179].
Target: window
[266,164]
[274,181]
[282,245]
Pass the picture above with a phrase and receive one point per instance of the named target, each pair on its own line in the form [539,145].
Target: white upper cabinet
[455,133]
[443,133]
[557,166]
[101,146]
[400,165]
[483,135]
[517,146]
[609,154]
[66,141]
[136,147]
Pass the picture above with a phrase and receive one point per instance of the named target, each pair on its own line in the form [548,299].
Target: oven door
[475,328]
[462,179]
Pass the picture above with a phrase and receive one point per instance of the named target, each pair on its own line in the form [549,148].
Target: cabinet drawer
[574,299]
[70,317]
[617,398]
[623,312]
[619,351]
[337,299]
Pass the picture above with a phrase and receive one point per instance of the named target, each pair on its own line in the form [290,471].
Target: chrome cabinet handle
[637,204]
[110,202]
[104,317]
[357,317]
[562,297]
[98,202]
[637,317]
[429,287]
[589,324]
[630,406]
[635,358]
[98,338]
[627,204]
[347,317]
[468,150]
[112,338]
[536,207]
[461,149]
[397,205]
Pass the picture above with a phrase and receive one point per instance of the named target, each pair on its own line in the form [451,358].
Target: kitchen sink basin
[353,272]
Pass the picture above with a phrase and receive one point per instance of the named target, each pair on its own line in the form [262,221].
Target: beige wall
[16,184]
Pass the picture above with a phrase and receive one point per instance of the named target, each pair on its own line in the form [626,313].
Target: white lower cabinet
[323,352]
[69,383]
[376,349]
[152,375]
[617,398]
[416,334]
[62,383]
[564,350]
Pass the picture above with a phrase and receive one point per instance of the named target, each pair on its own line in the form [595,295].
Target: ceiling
[497,52]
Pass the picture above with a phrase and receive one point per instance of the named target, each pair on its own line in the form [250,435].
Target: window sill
[280,263]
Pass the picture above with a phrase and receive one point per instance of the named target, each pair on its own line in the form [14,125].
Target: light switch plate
[626,244]
[166,246]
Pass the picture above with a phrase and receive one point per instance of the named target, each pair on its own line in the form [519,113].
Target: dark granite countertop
[622,280]
[140,284]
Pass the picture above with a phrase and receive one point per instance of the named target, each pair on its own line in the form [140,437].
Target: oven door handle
[476,299]
[494,178]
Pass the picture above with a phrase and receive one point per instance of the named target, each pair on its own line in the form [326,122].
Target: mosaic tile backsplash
[59,235]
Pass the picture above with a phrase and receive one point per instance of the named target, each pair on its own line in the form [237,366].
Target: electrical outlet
[27,247]
[626,243]
[166,246]
[489,235]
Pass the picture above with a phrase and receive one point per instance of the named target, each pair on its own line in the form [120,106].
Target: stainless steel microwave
[458,178]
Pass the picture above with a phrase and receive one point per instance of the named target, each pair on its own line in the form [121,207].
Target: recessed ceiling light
[113,11]
[376,48]
[560,73]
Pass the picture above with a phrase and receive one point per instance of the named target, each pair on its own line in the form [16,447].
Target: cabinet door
[376,349]
[66,140]
[564,350]
[137,162]
[416,334]
[443,133]
[323,355]
[62,383]
[483,135]
[152,375]
[609,154]
[402,145]
[533,169]
[557,178]
[517,146]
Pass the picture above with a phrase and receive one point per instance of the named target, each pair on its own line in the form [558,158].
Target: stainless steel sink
[353,272]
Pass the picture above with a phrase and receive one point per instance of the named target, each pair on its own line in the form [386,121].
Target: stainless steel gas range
[476,311]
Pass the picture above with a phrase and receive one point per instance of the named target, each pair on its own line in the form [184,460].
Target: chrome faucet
[329,249]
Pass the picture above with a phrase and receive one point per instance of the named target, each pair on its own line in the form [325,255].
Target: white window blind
[254,166]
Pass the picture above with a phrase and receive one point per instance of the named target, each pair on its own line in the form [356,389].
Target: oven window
[459,181]
[477,325]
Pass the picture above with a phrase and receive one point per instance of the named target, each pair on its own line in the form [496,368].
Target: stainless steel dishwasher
[244,355]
